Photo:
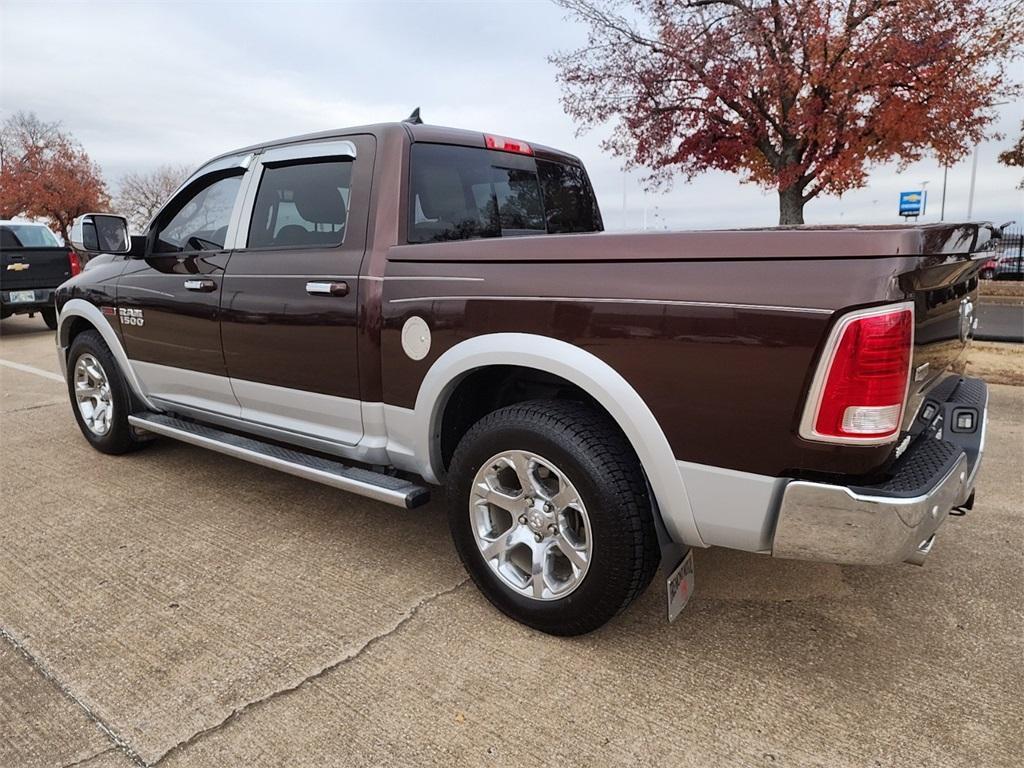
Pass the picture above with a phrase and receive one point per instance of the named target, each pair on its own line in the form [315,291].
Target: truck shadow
[23,325]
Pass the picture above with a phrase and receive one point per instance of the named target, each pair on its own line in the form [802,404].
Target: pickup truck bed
[443,305]
[753,306]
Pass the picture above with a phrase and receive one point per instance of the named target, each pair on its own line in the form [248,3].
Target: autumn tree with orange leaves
[1015,155]
[45,174]
[801,96]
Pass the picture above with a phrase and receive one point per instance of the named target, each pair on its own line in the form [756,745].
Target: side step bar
[373,485]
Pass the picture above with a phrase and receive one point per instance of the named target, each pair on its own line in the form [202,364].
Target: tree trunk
[63,226]
[791,205]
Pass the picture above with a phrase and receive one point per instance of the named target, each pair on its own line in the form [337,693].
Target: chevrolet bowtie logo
[17,267]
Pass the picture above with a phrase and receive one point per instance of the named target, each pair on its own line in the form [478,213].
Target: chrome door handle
[203,286]
[327,288]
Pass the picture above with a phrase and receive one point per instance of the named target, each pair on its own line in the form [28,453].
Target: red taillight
[74,264]
[503,144]
[864,389]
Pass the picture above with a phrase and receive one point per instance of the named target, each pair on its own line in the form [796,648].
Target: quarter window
[302,204]
[201,222]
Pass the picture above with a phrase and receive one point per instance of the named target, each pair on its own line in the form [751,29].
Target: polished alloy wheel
[92,393]
[531,525]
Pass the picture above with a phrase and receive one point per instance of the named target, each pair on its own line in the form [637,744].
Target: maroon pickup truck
[398,306]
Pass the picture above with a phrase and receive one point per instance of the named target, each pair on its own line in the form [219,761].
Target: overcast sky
[142,84]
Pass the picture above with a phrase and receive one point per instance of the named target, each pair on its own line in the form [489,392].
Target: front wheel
[550,514]
[99,395]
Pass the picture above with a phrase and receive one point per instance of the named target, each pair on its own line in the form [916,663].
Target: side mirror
[100,233]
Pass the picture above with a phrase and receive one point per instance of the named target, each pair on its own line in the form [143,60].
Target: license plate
[680,586]
[21,297]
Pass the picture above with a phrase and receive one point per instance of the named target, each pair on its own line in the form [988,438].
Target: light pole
[974,174]
[942,208]
[625,181]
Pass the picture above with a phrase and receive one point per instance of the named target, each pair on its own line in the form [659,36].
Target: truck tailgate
[33,268]
[945,293]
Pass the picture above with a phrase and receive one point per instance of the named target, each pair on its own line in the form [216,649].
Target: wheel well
[77,325]
[487,389]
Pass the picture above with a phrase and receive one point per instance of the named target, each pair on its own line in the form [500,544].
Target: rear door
[291,293]
[169,300]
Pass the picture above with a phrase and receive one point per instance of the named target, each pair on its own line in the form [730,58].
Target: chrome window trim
[309,151]
[242,214]
[813,402]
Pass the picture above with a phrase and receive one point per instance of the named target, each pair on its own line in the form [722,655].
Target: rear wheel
[99,395]
[550,514]
[50,317]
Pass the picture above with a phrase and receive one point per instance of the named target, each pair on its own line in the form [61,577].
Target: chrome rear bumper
[841,524]
[832,523]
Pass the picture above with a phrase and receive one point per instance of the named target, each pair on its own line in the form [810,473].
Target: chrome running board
[373,485]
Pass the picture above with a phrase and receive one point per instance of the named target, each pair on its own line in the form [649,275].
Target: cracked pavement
[181,608]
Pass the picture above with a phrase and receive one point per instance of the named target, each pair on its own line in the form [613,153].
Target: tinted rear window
[458,193]
[569,203]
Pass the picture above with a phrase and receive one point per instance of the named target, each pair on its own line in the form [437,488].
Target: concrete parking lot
[180,608]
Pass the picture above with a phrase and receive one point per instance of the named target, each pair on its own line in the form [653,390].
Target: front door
[290,304]
[168,301]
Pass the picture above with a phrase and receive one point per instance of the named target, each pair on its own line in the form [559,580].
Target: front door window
[202,218]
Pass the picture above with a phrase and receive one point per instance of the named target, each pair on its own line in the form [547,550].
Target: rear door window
[460,193]
[302,204]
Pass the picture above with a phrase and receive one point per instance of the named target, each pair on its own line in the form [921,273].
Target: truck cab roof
[435,134]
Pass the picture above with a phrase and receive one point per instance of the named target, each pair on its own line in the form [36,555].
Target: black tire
[119,438]
[50,317]
[586,445]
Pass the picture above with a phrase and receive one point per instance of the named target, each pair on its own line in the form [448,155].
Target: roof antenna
[414,118]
